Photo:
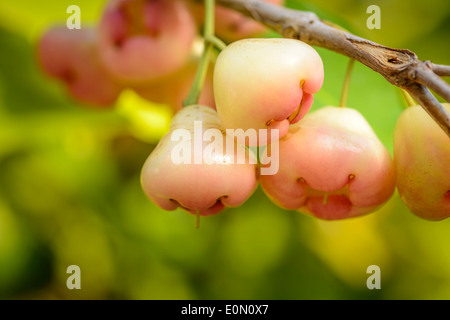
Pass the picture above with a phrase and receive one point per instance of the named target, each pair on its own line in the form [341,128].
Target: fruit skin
[422,164]
[206,188]
[143,40]
[266,83]
[71,56]
[332,151]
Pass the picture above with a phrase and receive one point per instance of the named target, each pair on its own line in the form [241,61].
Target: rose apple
[331,165]
[266,83]
[71,56]
[143,40]
[422,164]
[223,177]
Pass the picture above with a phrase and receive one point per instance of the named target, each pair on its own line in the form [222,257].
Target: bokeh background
[70,190]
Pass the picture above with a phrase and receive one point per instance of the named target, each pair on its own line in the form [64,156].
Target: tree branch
[441,70]
[399,67]
[427,77]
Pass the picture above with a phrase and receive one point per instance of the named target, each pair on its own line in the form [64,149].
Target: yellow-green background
[70,192]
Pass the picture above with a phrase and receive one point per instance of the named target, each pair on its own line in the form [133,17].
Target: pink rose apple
[184,170]
[266,83]
[71,56]
[142,40]
[332,166]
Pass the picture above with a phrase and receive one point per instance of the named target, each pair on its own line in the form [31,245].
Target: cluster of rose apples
[330,162]
[149,46]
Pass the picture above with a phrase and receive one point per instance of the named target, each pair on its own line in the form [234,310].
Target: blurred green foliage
[70,190]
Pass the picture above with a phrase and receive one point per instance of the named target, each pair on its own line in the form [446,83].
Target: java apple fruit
[422,164]
[142,40]
[223,176]
[332,166]
[71,56]
[266,83]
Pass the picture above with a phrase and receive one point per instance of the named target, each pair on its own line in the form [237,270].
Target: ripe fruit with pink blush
[422,164]
[266,83]
[71,56]
[332,166]
[223,177]
[142,40]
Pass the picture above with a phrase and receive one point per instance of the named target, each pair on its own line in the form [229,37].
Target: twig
[441,70]
[399,67]
[428,78]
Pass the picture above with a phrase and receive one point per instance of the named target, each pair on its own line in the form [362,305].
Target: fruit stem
[207,55]
[197,219]
[409,100]
[219,44]
[343,102]
[209,18]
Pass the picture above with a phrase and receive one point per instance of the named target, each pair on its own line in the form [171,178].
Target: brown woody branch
[441,70]
[399,67]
